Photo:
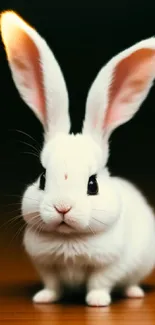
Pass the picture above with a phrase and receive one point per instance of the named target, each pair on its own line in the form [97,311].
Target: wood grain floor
[18,282]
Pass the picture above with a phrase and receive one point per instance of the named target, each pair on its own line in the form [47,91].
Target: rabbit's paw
[134,292]
[45,296]
[98,298]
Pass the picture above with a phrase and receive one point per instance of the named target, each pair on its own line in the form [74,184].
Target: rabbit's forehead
[72,153]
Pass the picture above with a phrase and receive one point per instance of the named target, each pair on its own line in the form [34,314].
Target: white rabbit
[83,226]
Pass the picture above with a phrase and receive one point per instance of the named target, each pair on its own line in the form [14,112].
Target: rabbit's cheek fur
[106,207]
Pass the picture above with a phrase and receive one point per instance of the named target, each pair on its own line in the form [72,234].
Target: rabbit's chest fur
[72,253]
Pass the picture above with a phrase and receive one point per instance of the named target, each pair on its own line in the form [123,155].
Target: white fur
[45,296]
[98,298]
[123,254]
[134,292]
[106,240]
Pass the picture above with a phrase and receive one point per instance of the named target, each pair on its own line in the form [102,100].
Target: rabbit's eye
[92,186]
[42,180]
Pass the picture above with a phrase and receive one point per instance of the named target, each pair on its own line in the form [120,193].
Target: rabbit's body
[83,226]
[122,254]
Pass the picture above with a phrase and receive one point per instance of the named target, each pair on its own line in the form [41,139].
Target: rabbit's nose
[63,210]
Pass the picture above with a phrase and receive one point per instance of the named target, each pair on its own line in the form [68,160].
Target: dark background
[83,36]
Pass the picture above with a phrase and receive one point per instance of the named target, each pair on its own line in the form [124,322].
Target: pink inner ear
[131,76]
[25,58]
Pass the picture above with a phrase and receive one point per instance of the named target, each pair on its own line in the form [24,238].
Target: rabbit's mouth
[64,227]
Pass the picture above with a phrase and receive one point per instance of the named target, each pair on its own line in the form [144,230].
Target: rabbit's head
[75,192]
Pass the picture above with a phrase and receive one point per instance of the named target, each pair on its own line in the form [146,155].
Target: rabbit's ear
[120,88]
[36,73]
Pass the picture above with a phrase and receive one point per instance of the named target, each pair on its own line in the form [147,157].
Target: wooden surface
[18,282]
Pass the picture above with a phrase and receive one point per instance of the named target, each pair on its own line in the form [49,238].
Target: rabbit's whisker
[30,145]
[99,221]
[29,136]
[99,210]
[30,153]
[91,230]
[21,196]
